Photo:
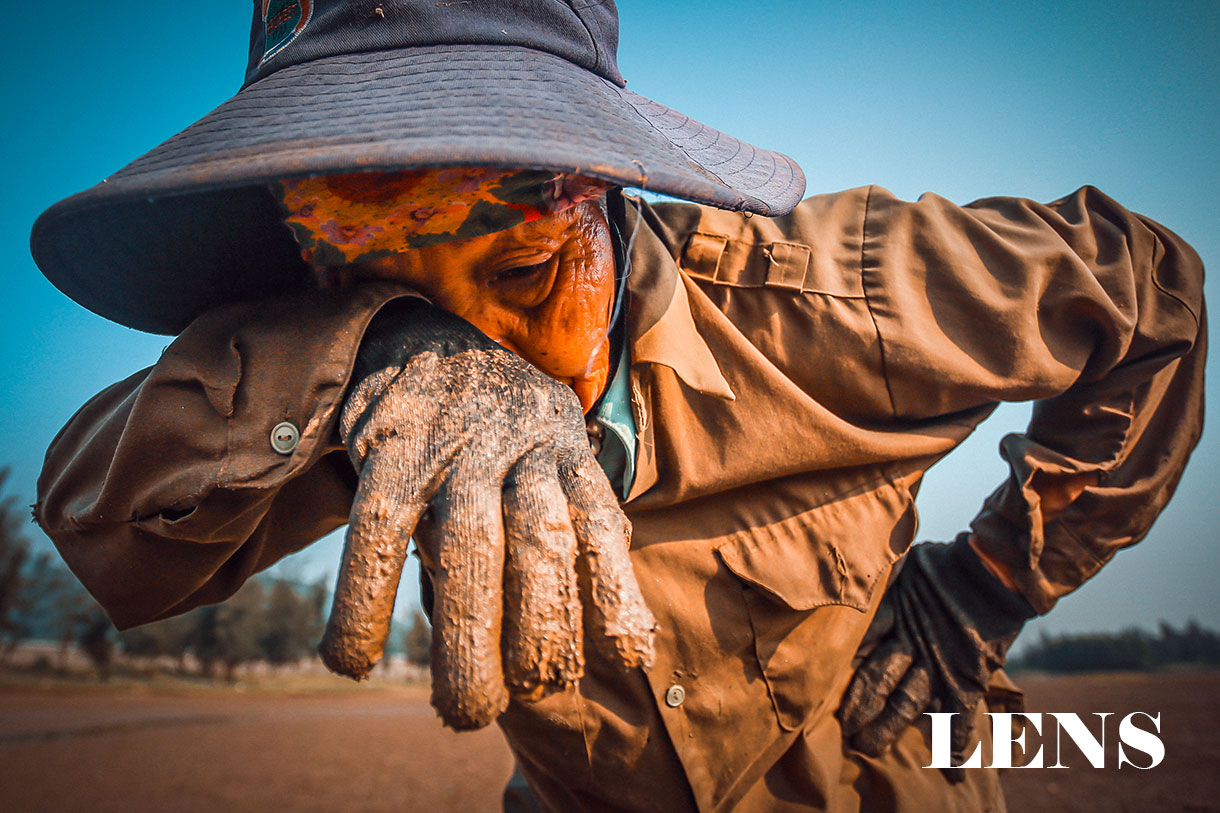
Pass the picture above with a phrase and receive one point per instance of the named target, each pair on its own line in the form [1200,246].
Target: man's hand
[943,627]
[485,460]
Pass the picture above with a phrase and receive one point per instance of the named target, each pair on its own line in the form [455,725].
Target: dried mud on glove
[524,540]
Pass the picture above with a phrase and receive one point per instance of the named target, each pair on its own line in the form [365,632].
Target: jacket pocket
[811,585]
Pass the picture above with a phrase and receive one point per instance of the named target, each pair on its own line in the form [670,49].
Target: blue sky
[963,99]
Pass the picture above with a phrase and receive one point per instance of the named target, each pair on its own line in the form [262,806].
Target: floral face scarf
[343,219]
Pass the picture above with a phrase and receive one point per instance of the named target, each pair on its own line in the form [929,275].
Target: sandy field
[1187,780]
[134,748]
[128,749]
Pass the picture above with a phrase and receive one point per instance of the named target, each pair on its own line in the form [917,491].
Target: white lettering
[942,757]
[1141,740]
[1094,750]
[1002,739]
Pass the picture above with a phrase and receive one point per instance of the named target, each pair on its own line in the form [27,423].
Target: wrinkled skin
[523,537]
[543,289]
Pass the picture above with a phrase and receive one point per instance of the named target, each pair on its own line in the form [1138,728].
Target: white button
[285,437]
[674,696]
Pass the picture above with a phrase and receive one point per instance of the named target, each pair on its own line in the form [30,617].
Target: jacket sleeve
[164,492]
[1093,312]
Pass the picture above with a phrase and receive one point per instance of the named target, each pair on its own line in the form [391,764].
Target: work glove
[485,460]
[943,627]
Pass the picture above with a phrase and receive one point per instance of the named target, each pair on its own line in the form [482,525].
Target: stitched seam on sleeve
[1158,256]
[864,284]
[1094,562]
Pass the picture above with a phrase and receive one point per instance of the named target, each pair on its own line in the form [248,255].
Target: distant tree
[317,599]
[59,603]
[14,553]
[96,640]
[1130,649]
[12,630]
[205,640]
[1201,645]
[230,634]
[170,637]
[417,643]
[281,638]
[1088,653]
[1193,644]
[39,596]
[294,621]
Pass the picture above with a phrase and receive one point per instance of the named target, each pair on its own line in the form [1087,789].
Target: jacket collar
[661,331]
[660,327]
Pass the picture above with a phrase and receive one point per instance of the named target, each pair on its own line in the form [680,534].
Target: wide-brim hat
[349,85]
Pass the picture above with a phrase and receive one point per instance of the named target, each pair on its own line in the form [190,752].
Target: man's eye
[522,272]
[526,286]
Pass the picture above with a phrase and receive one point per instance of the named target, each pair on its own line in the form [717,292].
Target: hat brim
[191,225]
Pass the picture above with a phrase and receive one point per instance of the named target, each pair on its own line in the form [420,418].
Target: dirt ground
[1187,780]
[133,748]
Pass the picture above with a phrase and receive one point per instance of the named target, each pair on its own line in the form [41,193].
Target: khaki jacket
[792,379]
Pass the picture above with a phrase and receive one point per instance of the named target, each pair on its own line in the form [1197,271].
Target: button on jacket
[791,381]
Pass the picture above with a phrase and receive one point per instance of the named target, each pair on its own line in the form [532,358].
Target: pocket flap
[833,554]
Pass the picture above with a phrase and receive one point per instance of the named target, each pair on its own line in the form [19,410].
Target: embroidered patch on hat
[283,21]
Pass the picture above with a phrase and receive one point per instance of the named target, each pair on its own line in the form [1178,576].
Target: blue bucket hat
[349,85]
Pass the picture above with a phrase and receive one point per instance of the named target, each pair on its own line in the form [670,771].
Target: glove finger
[617,620]
[467,535]
[903,707]
[542,614]
[961,731]
[390,398]
[384,513]
[873,682]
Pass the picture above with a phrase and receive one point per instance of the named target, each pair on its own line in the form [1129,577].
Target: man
[764,403]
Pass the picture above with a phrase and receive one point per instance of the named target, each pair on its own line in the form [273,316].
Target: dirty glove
[522,533]
[943,627]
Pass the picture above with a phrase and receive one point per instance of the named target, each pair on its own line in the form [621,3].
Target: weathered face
[543,289]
